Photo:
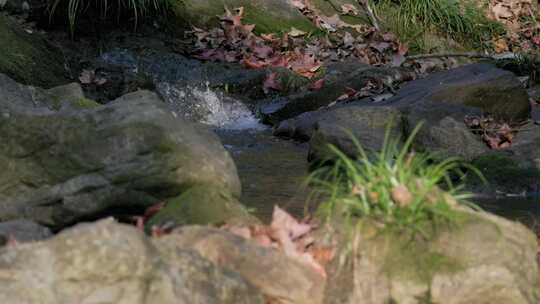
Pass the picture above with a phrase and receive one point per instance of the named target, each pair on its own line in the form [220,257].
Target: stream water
[272,170]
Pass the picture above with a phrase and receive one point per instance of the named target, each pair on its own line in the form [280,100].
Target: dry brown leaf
[349,9]
[401,195]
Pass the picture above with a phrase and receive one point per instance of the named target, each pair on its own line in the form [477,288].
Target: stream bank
[177,145]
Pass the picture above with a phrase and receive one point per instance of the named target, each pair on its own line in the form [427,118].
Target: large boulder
[442,100]
[29,58]
[482,259]
[62,166]
[280,278]
[111,263]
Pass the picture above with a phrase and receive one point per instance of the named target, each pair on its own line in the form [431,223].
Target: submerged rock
[483,259]
[63,166]
[106,262]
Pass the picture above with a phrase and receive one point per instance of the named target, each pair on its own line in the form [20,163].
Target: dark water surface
[272,170]
[525,210]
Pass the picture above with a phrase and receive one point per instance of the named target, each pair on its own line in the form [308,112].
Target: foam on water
[207,106]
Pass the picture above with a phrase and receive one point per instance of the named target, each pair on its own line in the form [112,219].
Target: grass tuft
[395,187]
[461,21]
[137,8]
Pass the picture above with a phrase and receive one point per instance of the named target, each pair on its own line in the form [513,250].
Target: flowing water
[272,170]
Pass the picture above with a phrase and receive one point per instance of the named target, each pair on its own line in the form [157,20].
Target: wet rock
[277,276]
[480,86]
[106,262]
[341,126]
[23,231]
[515,170]
[29,58]
[350,74]
[534,93]
[484,259]
[442,100]
[24,8]
[60,167]
[68,96]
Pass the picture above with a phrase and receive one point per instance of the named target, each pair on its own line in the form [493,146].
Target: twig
[469,55]
[508,55]
[365,4]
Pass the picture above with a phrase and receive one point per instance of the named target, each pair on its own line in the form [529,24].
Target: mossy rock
[479,258]
[70,95]
[504,174]
[29,58]
[268,16]
[202,205]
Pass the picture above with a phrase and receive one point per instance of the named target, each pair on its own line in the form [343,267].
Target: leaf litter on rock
[234,41]
[495,133]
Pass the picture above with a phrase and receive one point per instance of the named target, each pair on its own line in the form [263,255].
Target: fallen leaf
[317,85]
[294,32]
[349,9]
[281,220]
[401,195]
[272,83]
[87,76]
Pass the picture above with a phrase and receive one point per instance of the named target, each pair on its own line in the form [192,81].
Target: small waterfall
[207,106]
[182,84]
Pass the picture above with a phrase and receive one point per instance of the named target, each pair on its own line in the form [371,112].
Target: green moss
[206,13]
[407,257]
[201,205]
[438,25]
[27,58]
[85,103]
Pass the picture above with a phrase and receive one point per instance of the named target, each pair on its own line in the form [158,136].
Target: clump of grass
[75,8]
[395,187]
[462,21]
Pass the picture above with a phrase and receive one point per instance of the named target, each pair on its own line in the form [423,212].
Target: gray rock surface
[484,260]
[367,124]
[111,263]
[62,166]
[339,77]
[28,57]
[279,277]
[23,231]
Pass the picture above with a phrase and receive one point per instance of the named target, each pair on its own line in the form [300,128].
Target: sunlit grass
[461,21]
[395,187]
